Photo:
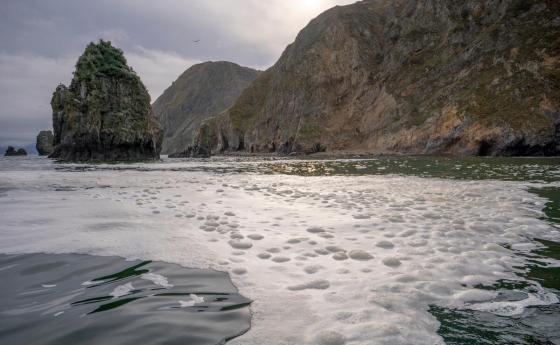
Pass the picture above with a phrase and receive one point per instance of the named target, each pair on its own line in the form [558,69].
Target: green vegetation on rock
[102,60]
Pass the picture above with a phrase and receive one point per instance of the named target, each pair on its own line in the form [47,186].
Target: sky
[40,41]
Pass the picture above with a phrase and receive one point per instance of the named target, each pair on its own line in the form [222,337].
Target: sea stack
[412,77]
[11,151]
[105,114]
[44,143]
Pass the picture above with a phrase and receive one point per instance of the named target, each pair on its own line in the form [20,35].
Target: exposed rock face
[202,91]
[11,151]
[105,114]
[398,76]
[45,143]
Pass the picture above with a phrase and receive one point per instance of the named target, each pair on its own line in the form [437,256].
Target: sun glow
[309,5]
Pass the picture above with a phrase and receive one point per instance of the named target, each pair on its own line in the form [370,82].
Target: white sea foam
[294,244]
[157,279]
[122,290]
[510,308]
[194,300]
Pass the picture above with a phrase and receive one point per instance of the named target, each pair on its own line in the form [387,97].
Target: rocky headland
[44,143]
[202,91]
[415,77]
[105,113]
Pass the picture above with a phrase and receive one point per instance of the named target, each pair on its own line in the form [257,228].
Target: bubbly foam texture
[512,308]
[157,279]
[122,290]
[334,260]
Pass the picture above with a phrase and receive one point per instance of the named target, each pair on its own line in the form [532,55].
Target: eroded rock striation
[475,77]
[105,114]
[202,91]
[44,143]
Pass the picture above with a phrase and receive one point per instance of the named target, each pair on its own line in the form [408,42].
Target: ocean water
[84,299]
[391,250]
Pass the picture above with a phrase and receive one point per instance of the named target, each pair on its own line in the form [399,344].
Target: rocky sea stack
[200,92]
[105,114]
[11,151]
[44,143]
[477,77]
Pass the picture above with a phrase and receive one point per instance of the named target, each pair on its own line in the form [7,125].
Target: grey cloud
[41,41]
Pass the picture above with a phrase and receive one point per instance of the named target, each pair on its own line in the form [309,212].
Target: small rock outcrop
[11,151]
[475,77]
[44,143]
[193,151]
[202,91]
[105,114]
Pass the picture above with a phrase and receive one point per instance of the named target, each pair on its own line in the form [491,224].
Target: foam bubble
[392,262]
[314,285]
[329,338]
[360,255]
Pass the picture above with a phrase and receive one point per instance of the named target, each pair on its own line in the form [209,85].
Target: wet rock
[11,151]
[105,114]
[194,151]
[44,143]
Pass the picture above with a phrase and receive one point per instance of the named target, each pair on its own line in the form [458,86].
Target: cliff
[200,92]
[105,114]
[417,77]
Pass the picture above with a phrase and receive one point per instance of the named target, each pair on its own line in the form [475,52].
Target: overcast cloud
[42,39]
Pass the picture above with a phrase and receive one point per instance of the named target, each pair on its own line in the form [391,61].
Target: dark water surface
[545,169]
[83,299]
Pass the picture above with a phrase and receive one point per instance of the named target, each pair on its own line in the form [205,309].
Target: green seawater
[538,325]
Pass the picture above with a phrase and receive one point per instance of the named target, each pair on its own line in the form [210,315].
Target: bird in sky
[196,41]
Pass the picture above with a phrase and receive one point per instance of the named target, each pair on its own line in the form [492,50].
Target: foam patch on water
[362,257]
[512,308]
[122,290]
[194,300]
[157,279]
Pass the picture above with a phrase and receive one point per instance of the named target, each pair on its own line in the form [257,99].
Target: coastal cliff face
[200,92]
[44,143]
[105,114]
[420,77]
